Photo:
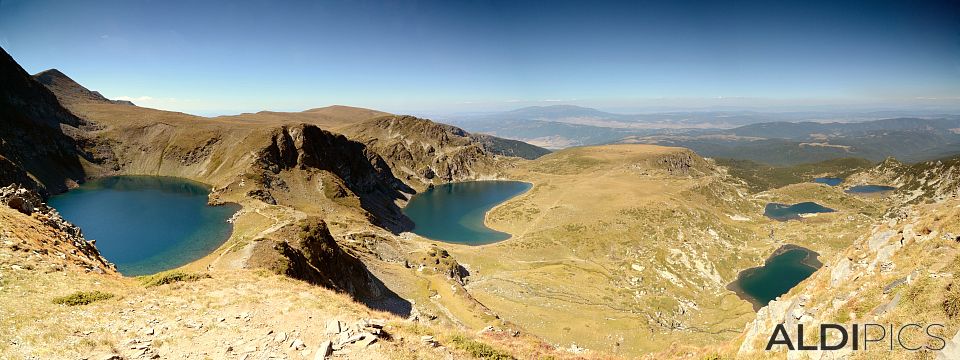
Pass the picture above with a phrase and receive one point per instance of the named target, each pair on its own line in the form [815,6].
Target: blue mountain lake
[785,212]
[783,270]
[869,189]
[454,212]
[147,224]
[832,181]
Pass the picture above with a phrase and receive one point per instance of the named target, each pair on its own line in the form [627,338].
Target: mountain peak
[70,91]
[49,74]
[559,111]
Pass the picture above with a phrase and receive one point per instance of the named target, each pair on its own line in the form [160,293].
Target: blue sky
[210,57]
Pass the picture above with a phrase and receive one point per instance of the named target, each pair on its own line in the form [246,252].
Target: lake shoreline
[811,260]
[203,238]
[411,210]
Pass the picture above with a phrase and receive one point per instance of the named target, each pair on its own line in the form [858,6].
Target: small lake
[783,212]
[832,181]
[869,189]
[454,212]
[783,270]
[147,224]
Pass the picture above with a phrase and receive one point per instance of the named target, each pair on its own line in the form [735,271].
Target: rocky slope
[57,246]
[307,251]
[900,271]
[421,152]
[887,276]
[36,147]
[507,147]
[926,181]
[357,171]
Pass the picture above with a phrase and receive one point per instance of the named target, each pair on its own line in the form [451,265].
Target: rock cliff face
[308,252]
[36,149]
[421,152]
[359,172]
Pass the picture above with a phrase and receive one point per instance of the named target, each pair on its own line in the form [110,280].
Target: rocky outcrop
[350,338]
[421,152]
[317,258]
[40,231]
[683,163]
[307,251]
[358,171]
[679,162]
[438,261]
[928,181]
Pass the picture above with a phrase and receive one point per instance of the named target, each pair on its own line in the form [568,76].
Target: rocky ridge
[36,147]
[928,181]
[307,251]
[69,91]
[422,153]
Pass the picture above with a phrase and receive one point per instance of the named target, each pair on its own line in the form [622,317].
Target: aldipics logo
[862,337]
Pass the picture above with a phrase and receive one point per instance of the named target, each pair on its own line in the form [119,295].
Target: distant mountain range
[785,143]
[771,138]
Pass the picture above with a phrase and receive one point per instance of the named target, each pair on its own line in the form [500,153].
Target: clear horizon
[444,58]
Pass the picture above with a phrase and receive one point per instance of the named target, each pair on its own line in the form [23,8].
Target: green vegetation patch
[170,278]
[760,177]
[478,349]
[82,298]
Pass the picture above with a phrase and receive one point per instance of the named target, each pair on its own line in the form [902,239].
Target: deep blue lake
[868,189]
[147,224]
[454,212]
[786,268]
[832,181]
[785,212]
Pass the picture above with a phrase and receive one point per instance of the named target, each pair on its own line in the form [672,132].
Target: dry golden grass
[598,214]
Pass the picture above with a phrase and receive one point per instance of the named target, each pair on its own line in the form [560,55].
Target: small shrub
[82,298]
[170,278]
[478,349]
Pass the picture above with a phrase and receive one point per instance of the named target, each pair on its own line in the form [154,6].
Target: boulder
[333,327]
[325,349]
